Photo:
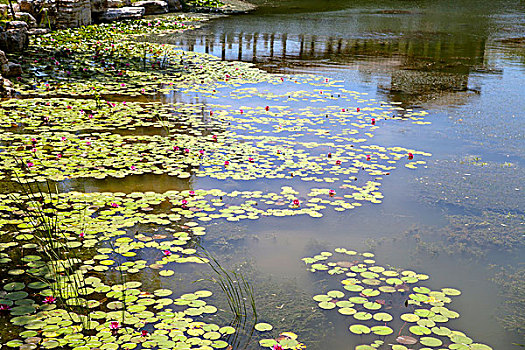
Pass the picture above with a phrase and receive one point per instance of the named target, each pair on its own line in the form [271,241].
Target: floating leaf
[263,327]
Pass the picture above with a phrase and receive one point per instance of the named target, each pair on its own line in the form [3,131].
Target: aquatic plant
[378,295]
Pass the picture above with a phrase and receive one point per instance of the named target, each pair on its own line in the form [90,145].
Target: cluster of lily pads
[388,302]
[57,309]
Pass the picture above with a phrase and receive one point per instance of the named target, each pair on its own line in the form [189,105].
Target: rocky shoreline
[29,20]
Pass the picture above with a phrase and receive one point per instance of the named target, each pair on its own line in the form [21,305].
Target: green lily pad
[359,329]
[263,327]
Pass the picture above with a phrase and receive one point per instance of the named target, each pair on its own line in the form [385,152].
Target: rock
[16,25]
[38,31]
[6,88]
[15,38]
[26,17]
[27,6]
[12,70]
[122,13]
[3,62]
[153,7]
[119,3]
[73,13]
[174,5]
[98,7]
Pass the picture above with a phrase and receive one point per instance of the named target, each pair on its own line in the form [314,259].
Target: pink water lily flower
[166,252]
[277,347]
[49,300]
[337,162]
[226,163]
[192,193]
[368,157]
[331,193]
[250,159]
[184,202]
[114,205]
[133,167]
[114,325]
[81,235]
[373,121]
[5,307]
[296,202]
[410,155]
[30,164]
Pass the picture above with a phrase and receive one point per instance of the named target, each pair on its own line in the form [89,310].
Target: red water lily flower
[410,155]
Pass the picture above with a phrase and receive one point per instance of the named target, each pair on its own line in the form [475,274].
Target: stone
[3,62]
[174,5]
[26,17]
[12,70]
[16,25]
[27,6]
[73,13]
[15,37]
[38,31]
[153,7]
[122,13]
[98,7]
[119,3]
[6,88]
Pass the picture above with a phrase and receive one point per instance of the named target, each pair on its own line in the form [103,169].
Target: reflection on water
[414,49]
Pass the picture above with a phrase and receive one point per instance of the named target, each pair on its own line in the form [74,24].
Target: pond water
[458,61]
[454,59]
